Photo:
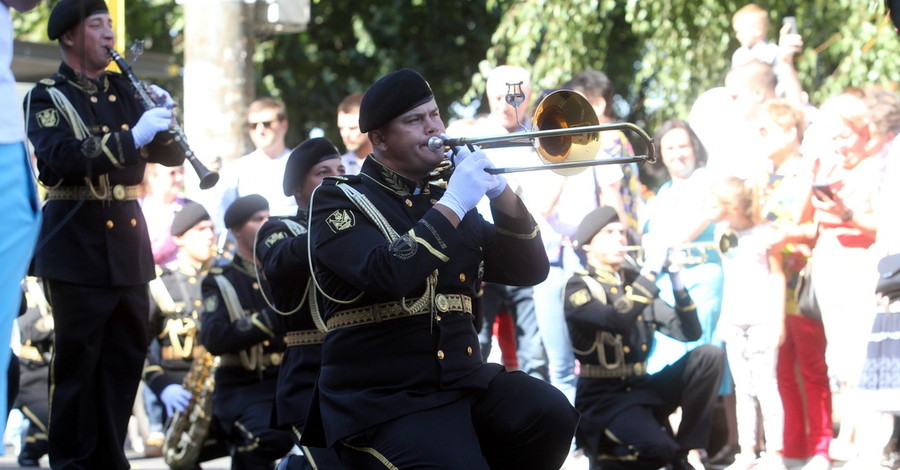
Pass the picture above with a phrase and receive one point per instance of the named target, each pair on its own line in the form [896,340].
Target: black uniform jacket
[612,318]
[174,339]
[260,326]
[283,254]
[91,242]
[374,372]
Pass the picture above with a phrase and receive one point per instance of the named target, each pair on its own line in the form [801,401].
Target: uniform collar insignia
[244,265]
[88,85]
[387,177]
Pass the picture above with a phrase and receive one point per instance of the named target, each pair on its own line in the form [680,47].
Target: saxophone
[188,429]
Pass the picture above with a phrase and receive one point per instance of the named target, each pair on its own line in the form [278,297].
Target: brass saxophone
[188,429]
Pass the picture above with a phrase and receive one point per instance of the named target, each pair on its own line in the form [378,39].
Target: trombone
[566,137]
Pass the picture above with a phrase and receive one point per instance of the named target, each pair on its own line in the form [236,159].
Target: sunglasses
[265,124]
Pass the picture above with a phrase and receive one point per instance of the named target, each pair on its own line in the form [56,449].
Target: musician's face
[402,143]
[198,243]
[314,177]
[88,44]
[605,249]
[246,234]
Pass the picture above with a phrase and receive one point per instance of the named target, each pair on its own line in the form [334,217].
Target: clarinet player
[92,139]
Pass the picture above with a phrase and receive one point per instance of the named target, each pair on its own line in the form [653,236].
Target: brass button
[125,127]
[192,280]
[276,359]
[643,347]
[626,349]
[255,286]
[433,201]
[408,203]
[112,98]
[613,290]
[640,318]
[134,222]
[110,224]
[469,350]
[197,303]
[437,317]
[462,277]
[94,99]
[440,354]
[441,302]
[105,128]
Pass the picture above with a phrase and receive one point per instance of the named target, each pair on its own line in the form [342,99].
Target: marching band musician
[175,317]
[612,311]
[282,251]
[399,261]
[92,138]
[238,326]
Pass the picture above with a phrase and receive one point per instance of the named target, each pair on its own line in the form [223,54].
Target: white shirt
[256,173]
[12,128]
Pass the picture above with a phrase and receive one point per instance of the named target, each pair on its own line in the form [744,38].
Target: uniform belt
[77,193]
[31,353]
[303,337]
[234,360]
[596,371]
[167,353]
[392,310]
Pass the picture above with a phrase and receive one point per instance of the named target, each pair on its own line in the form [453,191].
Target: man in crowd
[356,142]
[238,326]
[399,261]
[282,250]
[92,139]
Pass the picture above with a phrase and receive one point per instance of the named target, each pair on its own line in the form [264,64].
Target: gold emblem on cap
[441,302]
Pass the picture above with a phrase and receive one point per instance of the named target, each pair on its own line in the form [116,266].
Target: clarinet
[208,178]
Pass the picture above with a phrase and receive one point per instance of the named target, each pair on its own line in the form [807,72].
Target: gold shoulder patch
[47,81]
[211,303]
[48,117]
[579,297]
[274,238]
[341,219]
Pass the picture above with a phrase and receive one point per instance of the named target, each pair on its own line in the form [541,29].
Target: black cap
[303,158]
[69,13]
[190,215]
[240,211]
[391,96]
[593,223]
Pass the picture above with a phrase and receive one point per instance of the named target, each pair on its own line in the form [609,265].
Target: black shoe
[725,455]
[25,461]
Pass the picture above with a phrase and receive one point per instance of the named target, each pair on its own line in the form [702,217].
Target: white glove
[175,398]
[499,186]
[152,121]
[163,98]
[468,184]
[655,257]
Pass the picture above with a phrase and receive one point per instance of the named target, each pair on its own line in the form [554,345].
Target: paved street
[8,461]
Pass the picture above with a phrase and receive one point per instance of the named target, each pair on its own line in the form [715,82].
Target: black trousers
[639,437]
[518,422]
[101,343]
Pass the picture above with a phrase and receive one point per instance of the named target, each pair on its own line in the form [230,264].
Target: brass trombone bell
[566,137]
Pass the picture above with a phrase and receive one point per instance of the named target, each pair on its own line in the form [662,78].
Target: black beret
[391,96]
[303,158]
[68,13]
[191,214]
[593,223]
[240,211]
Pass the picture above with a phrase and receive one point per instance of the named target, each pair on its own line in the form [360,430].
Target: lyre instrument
[208,178]
[566,136]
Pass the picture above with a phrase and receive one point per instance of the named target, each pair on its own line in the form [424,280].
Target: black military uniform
[93,250]
[282,251]
[612,317]
[249,339]
[33,400]
[400,281]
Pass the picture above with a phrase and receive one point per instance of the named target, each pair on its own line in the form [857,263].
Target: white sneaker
[818,462]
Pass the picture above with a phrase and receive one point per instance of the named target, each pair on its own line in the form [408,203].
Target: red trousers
[805,391]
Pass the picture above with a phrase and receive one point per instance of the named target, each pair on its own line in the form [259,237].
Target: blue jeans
[22,219]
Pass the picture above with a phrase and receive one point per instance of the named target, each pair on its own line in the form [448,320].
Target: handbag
[889,277]
[807,303]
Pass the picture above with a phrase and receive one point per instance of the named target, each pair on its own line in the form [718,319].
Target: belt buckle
[442,302]
[118,192]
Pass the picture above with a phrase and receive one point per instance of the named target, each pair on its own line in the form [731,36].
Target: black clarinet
[208,178]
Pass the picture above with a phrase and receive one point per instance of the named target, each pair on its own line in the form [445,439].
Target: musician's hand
[175,398]
[656,255]
[468,184]
[161,97]
[461,153]
[499,184]
[152,121]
